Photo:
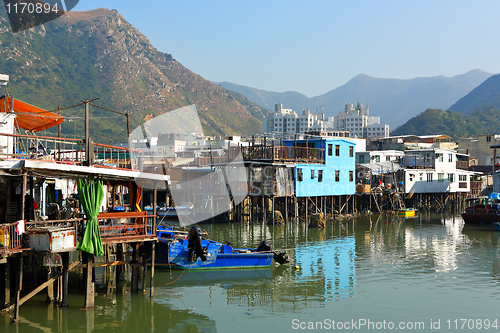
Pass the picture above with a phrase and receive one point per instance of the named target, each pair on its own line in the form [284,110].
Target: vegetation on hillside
[486,94]
[456,125]
[97,54]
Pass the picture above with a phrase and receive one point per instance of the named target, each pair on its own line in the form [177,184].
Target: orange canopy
[30,117]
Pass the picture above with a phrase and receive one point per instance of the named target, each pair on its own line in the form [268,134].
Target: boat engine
[280,258]
[196,250]
[264,247]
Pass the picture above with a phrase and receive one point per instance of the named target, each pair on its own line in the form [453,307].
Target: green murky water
[420,274]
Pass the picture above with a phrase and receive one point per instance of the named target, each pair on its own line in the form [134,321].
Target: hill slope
[394,100]
[456,125]
[486,94]
[84,55]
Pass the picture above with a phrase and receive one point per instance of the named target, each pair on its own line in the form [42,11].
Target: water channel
[370,273]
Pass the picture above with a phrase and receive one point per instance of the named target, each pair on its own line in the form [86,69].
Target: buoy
[297,267]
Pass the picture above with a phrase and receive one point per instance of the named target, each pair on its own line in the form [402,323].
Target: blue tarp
[494,196]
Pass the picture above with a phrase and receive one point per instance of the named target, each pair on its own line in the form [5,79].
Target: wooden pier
[38,245]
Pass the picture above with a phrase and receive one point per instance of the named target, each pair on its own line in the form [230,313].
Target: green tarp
[91,193]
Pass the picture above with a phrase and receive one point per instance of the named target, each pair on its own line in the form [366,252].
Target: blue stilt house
[330,169]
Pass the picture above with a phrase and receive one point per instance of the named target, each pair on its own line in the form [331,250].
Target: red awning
[29,117]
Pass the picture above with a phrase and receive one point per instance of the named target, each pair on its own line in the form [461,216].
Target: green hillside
[97,54]
[456,125]
[486,94]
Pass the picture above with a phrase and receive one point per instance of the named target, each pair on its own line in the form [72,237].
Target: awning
[29,117]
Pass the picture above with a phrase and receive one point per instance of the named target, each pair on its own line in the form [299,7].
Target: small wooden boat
[188,250]
[406,212]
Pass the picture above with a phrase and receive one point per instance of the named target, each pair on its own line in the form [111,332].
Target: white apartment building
[287,121]
[359,122]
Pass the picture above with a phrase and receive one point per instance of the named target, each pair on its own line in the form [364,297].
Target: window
[377,158]
[440,157]
[462,178]
[387,158]
[320,176]
[411,176]
[361,159]
[312,174]
[337,150]
[451,177]
[450,158]
[351,151]
[299,175]
[429,177]
[351,176]
[330,150]
[421,176]
[440,177]
[488,139]
[337,175]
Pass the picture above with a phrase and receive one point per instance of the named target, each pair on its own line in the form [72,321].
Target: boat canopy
[29,117]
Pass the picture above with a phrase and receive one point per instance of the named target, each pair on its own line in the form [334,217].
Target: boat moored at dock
[188,250]
[482,210]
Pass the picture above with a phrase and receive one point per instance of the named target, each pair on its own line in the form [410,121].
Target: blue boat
[188,250]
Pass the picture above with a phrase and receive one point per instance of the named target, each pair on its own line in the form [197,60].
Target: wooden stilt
[152,277]
[56,286]
[119,257]
[89,284]
[250,209]
[286,209]
[19,286]
[6,278]
[307,210]
[272,207]
[50,288]
[296,203]
[264,209]
[135,278]
[65,267]
[144,272]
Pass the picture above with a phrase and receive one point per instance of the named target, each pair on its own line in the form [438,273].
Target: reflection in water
[328,265]
[379,268]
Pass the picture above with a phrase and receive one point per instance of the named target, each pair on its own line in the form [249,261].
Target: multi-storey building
[359,122]
[288,121]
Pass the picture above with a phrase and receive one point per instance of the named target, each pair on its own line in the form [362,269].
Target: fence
[10,238]
[66,151]
[284,153]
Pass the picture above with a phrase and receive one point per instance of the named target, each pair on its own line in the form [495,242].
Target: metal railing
[284,153]
[10,238]
[66,151]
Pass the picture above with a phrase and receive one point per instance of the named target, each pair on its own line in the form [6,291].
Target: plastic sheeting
[29,117]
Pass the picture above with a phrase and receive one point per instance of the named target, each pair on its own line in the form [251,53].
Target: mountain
[98,54]
[486,94]
[454,124]
[393,100]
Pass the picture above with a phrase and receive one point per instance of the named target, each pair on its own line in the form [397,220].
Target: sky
[315,46]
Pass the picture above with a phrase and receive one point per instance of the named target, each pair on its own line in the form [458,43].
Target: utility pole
[87,128]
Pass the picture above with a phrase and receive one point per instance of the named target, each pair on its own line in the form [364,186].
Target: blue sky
[315,46]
